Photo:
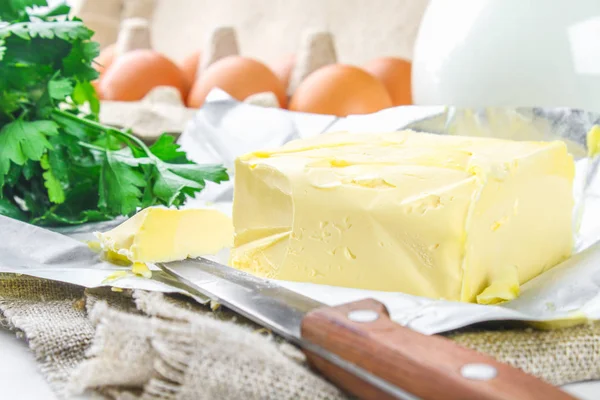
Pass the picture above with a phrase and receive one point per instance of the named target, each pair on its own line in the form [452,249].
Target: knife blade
[358,347]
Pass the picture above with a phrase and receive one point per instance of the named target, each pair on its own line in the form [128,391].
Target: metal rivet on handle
[478,372]
[363,315]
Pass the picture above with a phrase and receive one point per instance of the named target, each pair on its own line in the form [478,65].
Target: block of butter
[158,234]
[450,217]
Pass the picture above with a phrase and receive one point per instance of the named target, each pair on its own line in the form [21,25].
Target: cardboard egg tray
[128,24]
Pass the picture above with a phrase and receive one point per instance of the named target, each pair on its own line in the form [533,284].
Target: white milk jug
[509,53]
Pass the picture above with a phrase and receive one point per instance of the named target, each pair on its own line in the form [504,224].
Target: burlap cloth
[144,345]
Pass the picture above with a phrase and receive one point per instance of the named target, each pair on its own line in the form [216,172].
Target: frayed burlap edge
[181,354]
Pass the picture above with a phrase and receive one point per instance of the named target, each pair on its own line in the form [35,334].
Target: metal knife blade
[267,304]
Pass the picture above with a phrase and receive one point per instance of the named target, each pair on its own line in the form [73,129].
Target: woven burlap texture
[160,348]
[144,345]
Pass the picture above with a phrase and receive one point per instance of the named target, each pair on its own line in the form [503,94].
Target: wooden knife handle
[428,367]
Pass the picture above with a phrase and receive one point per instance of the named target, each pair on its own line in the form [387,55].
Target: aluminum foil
[224,129]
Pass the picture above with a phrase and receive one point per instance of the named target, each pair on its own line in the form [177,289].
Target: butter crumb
[496,225]
[114,276]
[115,258]
[593,141]
[94,245]
[141,269]
[261,154]
[504,289]
[214,305]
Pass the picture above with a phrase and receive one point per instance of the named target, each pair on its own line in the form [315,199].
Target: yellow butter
[429,215]
[502,289]
[593,141]
[94,246]
[116,258]
[574,319]
[114,276]
[141,269]
[160,235]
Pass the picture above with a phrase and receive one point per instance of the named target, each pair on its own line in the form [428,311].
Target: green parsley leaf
[83,93]
[65,30]
[59,89]
[29,169]
[169,186]
[166,149]
[36,197]
[15,172]
[16,9]
[23,4]
[21,141]
[119,186]
[78,62]
[58,158]
[11,210]
[209,172]
[10,102]
[56,194]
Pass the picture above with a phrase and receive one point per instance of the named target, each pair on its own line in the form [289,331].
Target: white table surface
[20,378]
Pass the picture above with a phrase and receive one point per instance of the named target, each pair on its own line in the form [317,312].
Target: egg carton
[104,17]
[164,110]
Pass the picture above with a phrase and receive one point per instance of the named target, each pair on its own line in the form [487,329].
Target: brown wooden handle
[428,367]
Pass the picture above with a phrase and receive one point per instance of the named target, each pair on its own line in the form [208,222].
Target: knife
[358,347]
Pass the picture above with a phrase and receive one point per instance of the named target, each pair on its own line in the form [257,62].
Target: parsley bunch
[58,164]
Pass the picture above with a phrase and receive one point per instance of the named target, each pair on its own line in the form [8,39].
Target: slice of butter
[429,215]
[161,235]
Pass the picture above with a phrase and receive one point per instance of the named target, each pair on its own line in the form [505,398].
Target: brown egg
[238,76]
[189,66]
[340,90]
[101,63]
[395,74]
[135,73]
[283,68]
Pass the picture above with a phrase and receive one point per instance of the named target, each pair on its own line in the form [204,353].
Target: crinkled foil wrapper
[225,129]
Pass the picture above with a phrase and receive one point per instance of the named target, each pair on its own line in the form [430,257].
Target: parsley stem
[92,147]
[104,128]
